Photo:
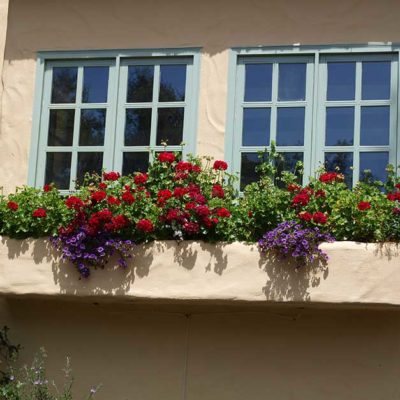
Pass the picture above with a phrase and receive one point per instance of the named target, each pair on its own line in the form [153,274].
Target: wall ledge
[356,273]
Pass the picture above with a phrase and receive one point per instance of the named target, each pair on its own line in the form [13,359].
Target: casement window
[331,107]
[105,110]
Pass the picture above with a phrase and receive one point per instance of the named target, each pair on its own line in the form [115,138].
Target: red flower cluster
[220,165]
[39,213]
[98,196]
[328,177]
[47,188]
[145,225]
[140,179]
[318,217]
[166,157]
[393,196]
[111,176]
[218,191]
[74,202]
[12,205]
[292,187]
[128,197]
[363,205]
[301,199]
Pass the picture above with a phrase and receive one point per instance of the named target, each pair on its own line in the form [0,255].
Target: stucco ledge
[356,273]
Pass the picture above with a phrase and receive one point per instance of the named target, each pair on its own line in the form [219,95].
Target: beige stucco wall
[214,353]
[3,32]
[214,25]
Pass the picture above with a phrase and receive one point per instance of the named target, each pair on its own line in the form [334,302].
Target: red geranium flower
[292,187]
[140,179]
[102,185]
[220,165]
[74,202]
[223,212]
[218,191]
[190,206]
[183,166]
[98,196]
[320,218]
[164,194]
[203,211]
[179,191]
[397,186]
[119,222]
[127,197]
[172,214]
[196,168]
[393,196]
[12,205]
[166,157]
[320,193]
[396,211]
[111,176]
[145,225]
[305,216]
[104,215]
[328,177]
[191,227]
[301,199]
[47,188]
[113,201]
[364,205]
[39,213]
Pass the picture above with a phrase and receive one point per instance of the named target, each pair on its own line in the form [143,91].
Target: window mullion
[274,101]
[154,108]
[357,123]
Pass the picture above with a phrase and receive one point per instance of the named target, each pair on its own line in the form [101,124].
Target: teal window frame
[315,148]
[113,148]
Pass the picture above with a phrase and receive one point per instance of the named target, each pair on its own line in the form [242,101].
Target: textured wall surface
[213,353]
[355,273]
[3,32]
[216,26]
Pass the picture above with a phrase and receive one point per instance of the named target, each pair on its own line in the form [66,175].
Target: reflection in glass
[61,127]
[290,126]
[258,82]
[88,162]
[137,127]
[140,83]
[135,162]
[95,84]
[256,126]
[290,163]
[93,124]
[170,126]
[248,173]
[342,162]
[339,126]
[292,82]
[64,84]
[375,163]
[172,82]
[375,126]
[375,80]
[58,169]
[341,80]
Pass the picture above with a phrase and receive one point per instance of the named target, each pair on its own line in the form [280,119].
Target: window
[319,107]
[109,111]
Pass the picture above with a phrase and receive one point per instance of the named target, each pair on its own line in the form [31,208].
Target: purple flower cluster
[86,251]
[290,239]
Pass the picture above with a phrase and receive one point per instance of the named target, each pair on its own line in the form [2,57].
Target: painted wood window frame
[315,153]
[113,142]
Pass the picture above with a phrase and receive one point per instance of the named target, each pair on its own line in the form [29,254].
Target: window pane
[170,126]
[137,127]
[375,126]
[93,124]
[292,82]
[172,82]
[339,126]
[290,126]
[58,169]
[248,172]
[376,80]
[258,82]
[135,162]
[61,127]
[140,83]
[91,162]
[64,85]
[376,162]
[95,85]
[256,126]
[341,161]
[341,80]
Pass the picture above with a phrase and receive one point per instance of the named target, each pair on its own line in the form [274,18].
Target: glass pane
[342,162]
[376,80]
[292,82]
[376,163]
[256,126]
[258,82]
[289,163]
[93,125]
[339,126]
[375,126]
[172,82]
[95,85]
[290,126]
[61,127]
[341,80]
[248,172]
[135,162]
[170,126]
[64,85]
[58,169]
[137,127]
[140,83]
[91,162]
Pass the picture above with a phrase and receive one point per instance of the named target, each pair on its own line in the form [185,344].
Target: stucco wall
[214,25]
[3,31]
[214,353]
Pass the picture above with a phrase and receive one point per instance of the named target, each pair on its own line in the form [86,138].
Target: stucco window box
[167,270]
